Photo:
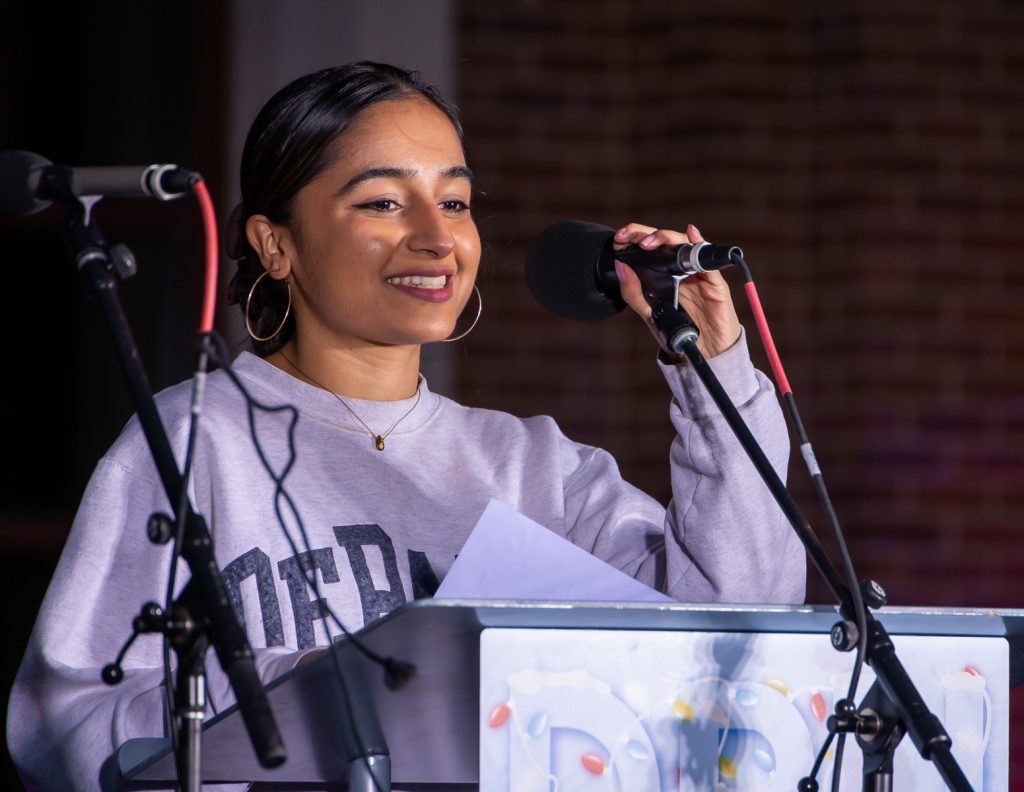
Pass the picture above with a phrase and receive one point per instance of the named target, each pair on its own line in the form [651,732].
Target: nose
[431,232]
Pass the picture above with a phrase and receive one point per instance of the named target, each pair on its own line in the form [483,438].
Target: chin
[430,334]
[440,335]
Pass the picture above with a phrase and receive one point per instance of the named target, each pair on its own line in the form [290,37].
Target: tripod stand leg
[370,774]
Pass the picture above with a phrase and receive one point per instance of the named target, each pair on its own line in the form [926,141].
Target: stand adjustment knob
[149,620]
[845,708]
[123,261]
[112,673]
[159,528]
[807,785]
[873,594]
[845,636]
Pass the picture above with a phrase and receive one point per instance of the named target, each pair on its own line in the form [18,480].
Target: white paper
[509,556]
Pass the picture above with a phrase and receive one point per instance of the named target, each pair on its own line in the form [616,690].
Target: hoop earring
[479,310]
[287,310]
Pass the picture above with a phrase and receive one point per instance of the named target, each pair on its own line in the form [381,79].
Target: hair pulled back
[289,145]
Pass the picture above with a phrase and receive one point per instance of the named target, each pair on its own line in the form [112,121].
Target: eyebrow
[454,172]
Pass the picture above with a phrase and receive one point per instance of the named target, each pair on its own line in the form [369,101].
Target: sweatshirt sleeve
[723,537]
[63,721]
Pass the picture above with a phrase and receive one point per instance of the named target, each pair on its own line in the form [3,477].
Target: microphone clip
[673,323]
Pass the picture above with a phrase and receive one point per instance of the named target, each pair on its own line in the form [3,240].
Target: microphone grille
[562,271]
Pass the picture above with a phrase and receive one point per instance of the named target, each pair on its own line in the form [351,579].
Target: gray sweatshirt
[384,527]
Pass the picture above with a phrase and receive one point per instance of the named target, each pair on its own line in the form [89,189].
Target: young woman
[357,246]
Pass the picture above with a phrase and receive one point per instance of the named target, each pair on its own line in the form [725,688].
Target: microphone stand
[202,614]
[893,706]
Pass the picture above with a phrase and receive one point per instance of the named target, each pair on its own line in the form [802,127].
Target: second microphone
[570,267]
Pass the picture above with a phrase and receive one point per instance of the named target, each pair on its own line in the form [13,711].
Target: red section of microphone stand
[210,282]
[766,338]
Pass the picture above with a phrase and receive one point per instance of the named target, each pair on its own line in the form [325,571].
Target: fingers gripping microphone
[570,267]
[686,259]
[23,182]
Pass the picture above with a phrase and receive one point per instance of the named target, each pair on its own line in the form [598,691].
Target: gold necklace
[378,439]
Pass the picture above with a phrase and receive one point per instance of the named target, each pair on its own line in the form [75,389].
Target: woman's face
[383,249]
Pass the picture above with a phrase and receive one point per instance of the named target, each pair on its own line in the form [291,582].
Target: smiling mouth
[419,281]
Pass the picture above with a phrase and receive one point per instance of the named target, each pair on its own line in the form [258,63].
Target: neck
[372,373]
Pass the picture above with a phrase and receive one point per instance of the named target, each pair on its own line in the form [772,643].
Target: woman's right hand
[705,298]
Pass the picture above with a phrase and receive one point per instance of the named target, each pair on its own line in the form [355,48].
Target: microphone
[24,178]
[570,267]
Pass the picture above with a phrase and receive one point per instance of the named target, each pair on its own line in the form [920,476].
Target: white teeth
[420,281]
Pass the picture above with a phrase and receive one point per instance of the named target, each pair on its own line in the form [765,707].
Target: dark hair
[289,145]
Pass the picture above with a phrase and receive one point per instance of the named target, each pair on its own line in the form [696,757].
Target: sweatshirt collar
[271,385]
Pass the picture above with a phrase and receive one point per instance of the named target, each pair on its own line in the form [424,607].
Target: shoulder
[498,420]
[538,439]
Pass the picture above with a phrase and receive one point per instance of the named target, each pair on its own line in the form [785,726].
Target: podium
[491,676]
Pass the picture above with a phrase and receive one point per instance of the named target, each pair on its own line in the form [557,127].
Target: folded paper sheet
[509,556]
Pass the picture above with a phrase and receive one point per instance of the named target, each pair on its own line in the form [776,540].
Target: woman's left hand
[705,297]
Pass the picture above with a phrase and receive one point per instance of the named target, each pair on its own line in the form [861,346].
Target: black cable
[396,671]
[741,264]
[279,493]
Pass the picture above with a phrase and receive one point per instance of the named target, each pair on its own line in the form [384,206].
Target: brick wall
[869,158]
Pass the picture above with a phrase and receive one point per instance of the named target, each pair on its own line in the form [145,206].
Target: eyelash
[387,206]
[459,205]
[384,205]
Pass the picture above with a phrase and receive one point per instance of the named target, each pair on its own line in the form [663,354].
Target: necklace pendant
[379,442]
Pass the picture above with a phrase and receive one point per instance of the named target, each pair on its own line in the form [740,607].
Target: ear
[271,242]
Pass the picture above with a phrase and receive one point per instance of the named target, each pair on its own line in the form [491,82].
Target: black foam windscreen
[19,177]
[564,266]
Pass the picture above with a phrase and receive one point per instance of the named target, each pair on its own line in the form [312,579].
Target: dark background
[868,156]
